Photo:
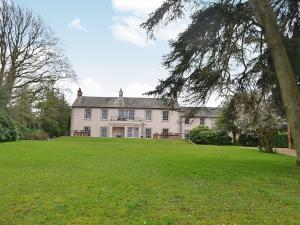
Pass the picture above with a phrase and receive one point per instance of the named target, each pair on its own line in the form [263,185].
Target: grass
[118,181]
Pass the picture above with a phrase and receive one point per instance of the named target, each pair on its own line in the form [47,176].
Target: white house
[133,117]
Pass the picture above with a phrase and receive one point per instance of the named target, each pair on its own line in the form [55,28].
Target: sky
[106,46]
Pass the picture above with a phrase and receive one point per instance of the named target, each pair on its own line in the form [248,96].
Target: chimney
[79,92]
[121,93]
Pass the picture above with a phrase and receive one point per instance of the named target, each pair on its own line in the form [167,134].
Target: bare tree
[30,55]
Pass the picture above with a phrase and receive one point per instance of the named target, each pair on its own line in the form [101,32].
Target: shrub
[202,135]
[8,129]
[222,138]
[38,135]
[281,140]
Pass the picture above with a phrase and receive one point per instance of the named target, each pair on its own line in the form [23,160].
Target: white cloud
[128,29]
[132,13]
[76,24]
[138,7]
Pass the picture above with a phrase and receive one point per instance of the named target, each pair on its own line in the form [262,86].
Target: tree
[54,113]
[228,116]
[30,55]
[258,119]
[226,48]
[21,110]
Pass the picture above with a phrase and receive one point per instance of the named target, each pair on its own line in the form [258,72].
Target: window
[126,114]
[202,121]
[187,121]
[104,114]
[148,133]
[165,115]
[103,132]
[186,134]
[131,114]
[87,113]
[148,115]
[87,131]
[122,113]
[133,132]
[165,132]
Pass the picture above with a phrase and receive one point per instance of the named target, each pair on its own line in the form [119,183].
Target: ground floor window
[103,132]
[148,133]
[202,121]
[87,131]
[133,132]
[165,132]
[187,134]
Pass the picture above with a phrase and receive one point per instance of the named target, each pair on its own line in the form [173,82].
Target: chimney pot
[79,92]
[121,93]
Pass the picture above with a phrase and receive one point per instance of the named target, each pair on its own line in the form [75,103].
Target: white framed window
[122,113]
[165,115]
[104,114]
[186,133]
[87,113]
[148,133]
[133,132]
[202,121]
[87,131]
[131,114]
[103,132]
[165,132]
[148,115]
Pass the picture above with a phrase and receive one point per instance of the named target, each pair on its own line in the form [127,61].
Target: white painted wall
[156,124]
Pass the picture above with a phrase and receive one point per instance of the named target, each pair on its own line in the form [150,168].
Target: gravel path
[286,151]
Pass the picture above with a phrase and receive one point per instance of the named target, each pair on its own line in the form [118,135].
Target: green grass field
[118,181]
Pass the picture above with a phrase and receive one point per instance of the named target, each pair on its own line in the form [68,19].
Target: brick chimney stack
[79,92]
[121,93]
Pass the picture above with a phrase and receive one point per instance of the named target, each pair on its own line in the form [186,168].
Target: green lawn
[118,181]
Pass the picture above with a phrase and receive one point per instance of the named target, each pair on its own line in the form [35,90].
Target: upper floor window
[122,113]
[165,115]
[126,114]
[148,115]
[187,121]
[131,114]
[104,114]
[87,113]
[202,121]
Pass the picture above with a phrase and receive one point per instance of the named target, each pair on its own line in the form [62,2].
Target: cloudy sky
[106,45]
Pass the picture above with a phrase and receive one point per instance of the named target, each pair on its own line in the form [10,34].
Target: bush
[248,140]
[202,135]
[8,129]
[222,138]
[281,140]
[206,136]
[38,135]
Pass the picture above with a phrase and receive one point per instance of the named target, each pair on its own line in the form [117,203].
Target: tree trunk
[290,138]
[289,90]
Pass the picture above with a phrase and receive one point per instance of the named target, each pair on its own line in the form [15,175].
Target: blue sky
[105,44]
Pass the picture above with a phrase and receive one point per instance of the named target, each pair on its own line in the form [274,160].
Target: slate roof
[113,102]
[142,103]
[204,112]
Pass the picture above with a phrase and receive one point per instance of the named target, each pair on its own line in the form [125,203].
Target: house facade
[133,117]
